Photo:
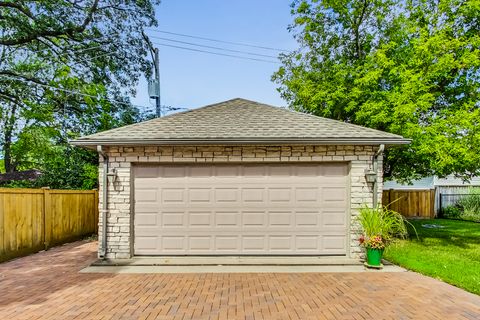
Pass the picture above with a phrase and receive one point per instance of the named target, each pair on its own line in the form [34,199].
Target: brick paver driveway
[48,286]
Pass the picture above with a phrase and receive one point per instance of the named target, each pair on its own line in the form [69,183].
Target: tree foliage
[407,67]
[67,68]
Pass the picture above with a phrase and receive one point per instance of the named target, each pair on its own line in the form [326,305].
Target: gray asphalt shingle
[240,120]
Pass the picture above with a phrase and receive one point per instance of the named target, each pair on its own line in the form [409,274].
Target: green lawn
[451,254]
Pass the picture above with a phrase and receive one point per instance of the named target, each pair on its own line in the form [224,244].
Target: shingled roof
[240,121]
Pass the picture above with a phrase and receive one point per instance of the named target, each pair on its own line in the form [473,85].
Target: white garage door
[270,209]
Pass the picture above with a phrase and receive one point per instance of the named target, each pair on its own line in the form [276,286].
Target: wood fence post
[47,218]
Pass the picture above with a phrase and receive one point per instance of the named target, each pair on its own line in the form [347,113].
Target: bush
[470,204]
[466,208]
[452,212]
[470,216]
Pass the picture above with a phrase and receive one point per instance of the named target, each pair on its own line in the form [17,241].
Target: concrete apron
[233,264]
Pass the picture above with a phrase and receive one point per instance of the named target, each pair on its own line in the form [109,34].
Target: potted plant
[380,226]
[374,247]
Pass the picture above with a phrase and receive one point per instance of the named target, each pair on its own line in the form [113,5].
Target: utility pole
[157,84]
[154,85]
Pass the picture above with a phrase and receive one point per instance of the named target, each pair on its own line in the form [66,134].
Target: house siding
[120,200]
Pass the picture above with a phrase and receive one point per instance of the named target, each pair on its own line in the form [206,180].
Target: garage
[255,209]
[236,178]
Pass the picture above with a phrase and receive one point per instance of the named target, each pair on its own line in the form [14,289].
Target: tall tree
[411,68]
[68,66]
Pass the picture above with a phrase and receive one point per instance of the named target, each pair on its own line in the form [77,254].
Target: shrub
[452,212]
[470,216]
[470,204]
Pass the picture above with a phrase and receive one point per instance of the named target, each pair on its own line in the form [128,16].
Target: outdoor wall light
[112,175]
[370,175]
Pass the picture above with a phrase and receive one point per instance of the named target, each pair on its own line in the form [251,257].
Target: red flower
[361,239]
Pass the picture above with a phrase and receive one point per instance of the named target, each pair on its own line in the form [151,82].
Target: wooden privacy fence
[411,203]
[35,219]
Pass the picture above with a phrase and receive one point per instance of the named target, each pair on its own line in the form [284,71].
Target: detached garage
[236,178]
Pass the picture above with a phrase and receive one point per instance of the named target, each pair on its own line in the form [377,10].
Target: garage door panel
[172,171]
[333,218]
[252,219]
[147,172]
[333,243]
[308,171]
[254,243]
[173,219]
[279,194]
[146,195]
[241,209]
[146,231]
[328,205]
[173,195]
[250,194]
[254,171]
[147,219]
[281,243]
[227,219]
[200,172]
[200,243]
[147,207]
[307,194]
[199,219]
[280,219]
[332,170]
[307,219]
[173,243]
[247,244]
[227,243]
[332,183]
[334,194]
[228,195]
[280,171]
[227,171]
[308,243]
[203,195]
[146,184]
[148,243]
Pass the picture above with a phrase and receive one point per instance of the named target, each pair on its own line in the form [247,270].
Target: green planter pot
[374,257]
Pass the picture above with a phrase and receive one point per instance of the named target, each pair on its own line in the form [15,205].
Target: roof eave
[252,141]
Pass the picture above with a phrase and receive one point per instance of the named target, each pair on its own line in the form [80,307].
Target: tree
[66,69]
[410,68]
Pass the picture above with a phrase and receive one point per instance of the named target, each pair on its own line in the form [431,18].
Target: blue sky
[193,79]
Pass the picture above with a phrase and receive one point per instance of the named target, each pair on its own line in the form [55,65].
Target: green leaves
[382,222]
[410,68]
[67,69]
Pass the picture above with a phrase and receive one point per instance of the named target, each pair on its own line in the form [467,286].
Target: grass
[451,253]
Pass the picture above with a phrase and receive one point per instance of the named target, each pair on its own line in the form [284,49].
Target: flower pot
[374,257]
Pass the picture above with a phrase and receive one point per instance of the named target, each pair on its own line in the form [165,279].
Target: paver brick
[48,285]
